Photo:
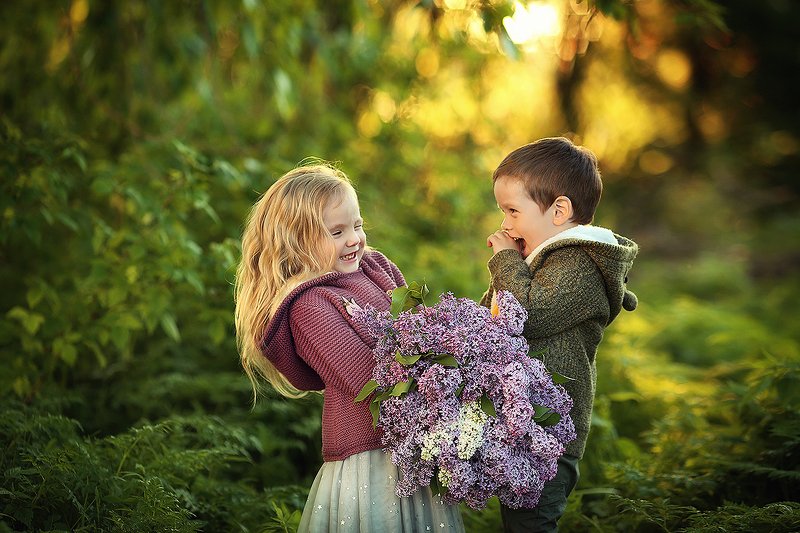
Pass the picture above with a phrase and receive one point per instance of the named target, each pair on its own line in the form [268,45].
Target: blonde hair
[284,243]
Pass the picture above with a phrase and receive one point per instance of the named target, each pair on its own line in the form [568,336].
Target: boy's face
[523,219]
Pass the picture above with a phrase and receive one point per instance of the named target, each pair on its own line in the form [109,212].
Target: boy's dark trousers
[552,503]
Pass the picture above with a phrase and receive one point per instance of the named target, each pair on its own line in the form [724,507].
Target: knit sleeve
[566,290]
[397,276]
[327,342]
[384,272]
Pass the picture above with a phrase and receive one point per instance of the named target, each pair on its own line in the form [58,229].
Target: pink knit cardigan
[316,344]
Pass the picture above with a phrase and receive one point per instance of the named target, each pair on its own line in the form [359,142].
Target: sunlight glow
[674,68]
[535,21]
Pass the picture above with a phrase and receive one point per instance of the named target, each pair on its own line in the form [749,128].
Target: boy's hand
[499,240]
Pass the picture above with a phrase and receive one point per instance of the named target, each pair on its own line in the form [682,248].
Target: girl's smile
[349,257]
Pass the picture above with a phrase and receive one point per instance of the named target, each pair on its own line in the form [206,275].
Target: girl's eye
[359,226]
[336,233]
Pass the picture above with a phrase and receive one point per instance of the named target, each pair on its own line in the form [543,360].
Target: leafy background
[136,135]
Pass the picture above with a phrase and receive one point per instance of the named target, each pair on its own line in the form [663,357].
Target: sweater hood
[278,344]
[613,254]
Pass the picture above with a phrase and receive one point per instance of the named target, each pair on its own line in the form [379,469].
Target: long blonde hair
[284,243]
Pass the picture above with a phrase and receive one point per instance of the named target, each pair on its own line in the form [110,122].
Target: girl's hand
[499,240]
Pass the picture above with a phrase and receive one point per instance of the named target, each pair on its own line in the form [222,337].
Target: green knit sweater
[572,290]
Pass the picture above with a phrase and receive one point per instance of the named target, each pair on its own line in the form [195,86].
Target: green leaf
[544,416]
[366,390]
[445,359]
[170,327]
[558,379]
[537,354]
[116,295]
[65,350]
[34,295]
[401,388]
[418,291]
[398,300]
[30,321]
[98,353]
[382,396]
[375,409]
[436,487]
[407,360]
[69,354]
[487,406]
[409,297]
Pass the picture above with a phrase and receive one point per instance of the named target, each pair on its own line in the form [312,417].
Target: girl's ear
[562,210]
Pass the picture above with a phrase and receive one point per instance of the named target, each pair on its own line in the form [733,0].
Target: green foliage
[130,266]
[135,136]
[284,521]
[486,520]
[181,474]
[776,517]
[409,297]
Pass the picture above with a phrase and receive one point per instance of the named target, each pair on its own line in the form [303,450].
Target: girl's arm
[566,290]
[328,343]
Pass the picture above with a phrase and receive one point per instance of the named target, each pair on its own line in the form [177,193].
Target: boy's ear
[562,210]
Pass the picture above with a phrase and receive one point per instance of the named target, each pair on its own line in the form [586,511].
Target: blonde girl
[305,262]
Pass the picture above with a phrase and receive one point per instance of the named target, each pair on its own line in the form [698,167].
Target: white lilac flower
[471,420]
[431,442]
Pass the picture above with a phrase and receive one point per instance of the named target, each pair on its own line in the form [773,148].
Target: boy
[569,275]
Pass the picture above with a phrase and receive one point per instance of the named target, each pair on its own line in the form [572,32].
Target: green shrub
[181,474]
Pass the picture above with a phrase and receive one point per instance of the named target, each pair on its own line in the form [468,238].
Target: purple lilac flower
[401,416]
[511,314]
[511,456]
[564,431]
[377,323]
[438,382]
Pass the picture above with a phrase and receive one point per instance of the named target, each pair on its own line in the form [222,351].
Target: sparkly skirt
[358,495]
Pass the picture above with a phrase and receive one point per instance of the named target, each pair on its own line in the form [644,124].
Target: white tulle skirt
[358,495]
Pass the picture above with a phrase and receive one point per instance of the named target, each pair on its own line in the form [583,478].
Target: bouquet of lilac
[461,404]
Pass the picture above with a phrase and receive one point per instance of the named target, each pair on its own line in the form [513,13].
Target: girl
[305,262]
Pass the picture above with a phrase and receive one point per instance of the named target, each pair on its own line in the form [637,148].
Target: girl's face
[342,219]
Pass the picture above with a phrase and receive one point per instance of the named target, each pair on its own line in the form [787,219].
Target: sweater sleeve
[327,343]
[397,276]
[387,268]
[566,290]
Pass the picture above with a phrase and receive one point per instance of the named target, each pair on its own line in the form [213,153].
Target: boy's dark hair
[554,167]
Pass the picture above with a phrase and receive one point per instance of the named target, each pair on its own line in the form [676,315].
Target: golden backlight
[533,21]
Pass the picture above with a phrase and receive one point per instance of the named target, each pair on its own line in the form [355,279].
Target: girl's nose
[352,239]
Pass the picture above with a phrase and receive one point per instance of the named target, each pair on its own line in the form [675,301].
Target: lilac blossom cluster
[462,404]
